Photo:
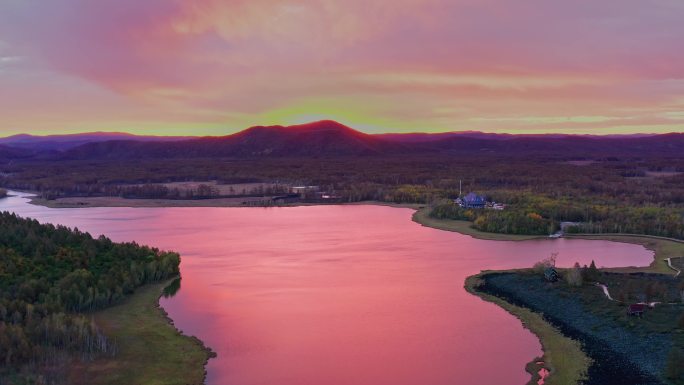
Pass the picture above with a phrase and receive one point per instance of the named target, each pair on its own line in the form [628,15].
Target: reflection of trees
[172,288]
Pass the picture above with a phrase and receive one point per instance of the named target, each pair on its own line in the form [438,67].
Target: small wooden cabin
[636,309]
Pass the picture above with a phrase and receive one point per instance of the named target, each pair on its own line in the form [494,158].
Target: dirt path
[669,263]
[605,291]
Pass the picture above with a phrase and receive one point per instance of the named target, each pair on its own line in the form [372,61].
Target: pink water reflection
[338,295]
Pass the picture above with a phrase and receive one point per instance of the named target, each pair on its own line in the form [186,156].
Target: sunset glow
[211,67]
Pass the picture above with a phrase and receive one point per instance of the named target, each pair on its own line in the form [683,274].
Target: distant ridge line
[329,138]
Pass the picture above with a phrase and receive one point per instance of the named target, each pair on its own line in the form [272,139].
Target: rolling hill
[8,153]
[67,141]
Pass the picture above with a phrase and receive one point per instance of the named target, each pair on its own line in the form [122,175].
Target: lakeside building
[303,191]
[473,201]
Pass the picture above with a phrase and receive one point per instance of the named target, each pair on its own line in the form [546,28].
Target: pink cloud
[248,57]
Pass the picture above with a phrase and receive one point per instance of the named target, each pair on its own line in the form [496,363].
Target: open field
[662,174]
[150,349]
[581,162]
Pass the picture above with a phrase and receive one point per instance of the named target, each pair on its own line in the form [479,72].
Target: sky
[212,67]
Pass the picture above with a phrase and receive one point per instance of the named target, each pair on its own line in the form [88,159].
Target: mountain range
[330,139]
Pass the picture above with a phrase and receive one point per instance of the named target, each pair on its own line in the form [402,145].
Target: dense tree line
[512,221]
[160,191]
[555,177]
[544,215]
[163,191]
[50,277]
[629,195]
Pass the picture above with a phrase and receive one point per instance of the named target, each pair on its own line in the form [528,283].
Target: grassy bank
[563,357]
[90,202]
[662,248]
[423,217]
[151,351]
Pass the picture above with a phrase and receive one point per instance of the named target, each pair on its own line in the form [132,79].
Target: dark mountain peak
[324,138]
[324,125]
[306,128]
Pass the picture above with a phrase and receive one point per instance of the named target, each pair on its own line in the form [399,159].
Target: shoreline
[562,356]
[99,202]
[420,216]
[555,345]
[150,347]
[661,247]
[617,349]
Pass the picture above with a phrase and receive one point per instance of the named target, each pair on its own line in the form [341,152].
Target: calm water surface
[337,295]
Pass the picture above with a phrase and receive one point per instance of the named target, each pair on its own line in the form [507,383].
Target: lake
[337,295]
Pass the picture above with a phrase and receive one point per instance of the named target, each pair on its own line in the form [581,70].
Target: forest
[625,194]
[518,221]
[541,215]
[51,277]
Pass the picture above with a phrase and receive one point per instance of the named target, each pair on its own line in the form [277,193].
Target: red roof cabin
[636,309]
